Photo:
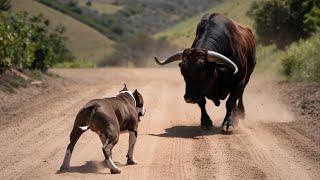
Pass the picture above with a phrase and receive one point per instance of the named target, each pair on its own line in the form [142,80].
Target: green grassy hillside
[85,42]
[101,7]
[183,33]
[130,17]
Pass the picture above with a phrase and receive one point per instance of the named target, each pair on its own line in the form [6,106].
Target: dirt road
[170,143]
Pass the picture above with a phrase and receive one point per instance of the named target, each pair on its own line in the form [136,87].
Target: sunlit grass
[101,7]
[183,33]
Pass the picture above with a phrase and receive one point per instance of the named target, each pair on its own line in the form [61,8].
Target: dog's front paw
[115,171]
[131,162]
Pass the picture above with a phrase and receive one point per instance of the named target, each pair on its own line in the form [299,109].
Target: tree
[284,21]
[5,5]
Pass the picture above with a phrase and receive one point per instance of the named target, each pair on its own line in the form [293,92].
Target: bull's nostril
[188,100]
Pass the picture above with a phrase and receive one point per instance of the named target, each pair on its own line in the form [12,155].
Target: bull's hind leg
[205,119]
[74,137]
[107,151]
[241,110]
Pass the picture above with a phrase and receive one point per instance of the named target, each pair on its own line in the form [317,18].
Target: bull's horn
[219,58]
[174,57]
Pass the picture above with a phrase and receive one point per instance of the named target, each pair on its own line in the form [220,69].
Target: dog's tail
[88,112]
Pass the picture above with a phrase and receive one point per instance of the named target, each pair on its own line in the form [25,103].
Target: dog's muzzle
[141,111]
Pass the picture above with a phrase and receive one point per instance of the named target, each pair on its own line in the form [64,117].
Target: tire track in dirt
[167,162]
[277,160]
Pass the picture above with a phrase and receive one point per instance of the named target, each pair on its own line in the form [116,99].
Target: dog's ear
[135,93]
[124,88]
[138,98]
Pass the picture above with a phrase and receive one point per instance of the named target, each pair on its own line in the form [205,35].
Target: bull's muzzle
[190,100]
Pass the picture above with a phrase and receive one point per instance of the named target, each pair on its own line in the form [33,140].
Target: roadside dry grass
[85,42]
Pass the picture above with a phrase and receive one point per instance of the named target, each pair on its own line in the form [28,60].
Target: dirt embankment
[273,142]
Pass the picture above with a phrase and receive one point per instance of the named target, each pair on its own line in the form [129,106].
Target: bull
[219,63]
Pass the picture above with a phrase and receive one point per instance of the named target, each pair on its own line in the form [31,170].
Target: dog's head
[139,103]
[138,99]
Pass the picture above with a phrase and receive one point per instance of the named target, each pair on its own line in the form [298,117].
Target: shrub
[27,43]
[302,60]
[88,3]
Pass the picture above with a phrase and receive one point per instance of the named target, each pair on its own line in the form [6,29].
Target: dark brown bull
[218,64]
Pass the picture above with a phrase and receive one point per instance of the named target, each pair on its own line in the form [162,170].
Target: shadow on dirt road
[189,132]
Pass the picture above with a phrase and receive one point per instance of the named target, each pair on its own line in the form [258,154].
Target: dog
[108,117]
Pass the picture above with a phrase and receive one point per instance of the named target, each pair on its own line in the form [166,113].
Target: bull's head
[195,69]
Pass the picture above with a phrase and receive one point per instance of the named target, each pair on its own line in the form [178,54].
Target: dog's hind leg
[132,142]
[107,151]
[103,141]
[74,136]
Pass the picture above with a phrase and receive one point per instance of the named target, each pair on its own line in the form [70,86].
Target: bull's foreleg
[227,124]
[205,119]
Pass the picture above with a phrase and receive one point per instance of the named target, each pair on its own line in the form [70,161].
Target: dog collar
[131,94]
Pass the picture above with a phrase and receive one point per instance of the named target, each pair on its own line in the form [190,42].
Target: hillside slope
[85,42]
[134,16]
[183,33]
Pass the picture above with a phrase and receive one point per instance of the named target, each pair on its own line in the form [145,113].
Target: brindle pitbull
[108,117]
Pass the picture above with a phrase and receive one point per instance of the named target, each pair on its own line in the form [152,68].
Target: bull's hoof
[206,125]
[115,171]
[131,162]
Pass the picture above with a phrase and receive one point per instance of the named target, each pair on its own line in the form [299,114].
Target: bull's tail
[88,112]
